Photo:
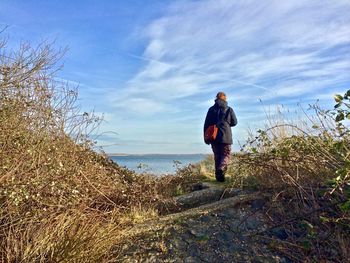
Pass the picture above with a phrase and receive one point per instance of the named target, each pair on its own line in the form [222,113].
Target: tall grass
[304,163]
[60,200]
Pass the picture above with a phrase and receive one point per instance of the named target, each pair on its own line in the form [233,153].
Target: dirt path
[219,231]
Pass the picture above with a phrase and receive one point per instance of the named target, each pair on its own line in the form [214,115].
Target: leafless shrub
[60,200]
[304,164]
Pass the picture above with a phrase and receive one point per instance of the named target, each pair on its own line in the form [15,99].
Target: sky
[152,68]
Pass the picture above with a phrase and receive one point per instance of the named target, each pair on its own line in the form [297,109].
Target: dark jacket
[224,117]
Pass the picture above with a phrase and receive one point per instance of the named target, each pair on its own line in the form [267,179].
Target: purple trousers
[222,157]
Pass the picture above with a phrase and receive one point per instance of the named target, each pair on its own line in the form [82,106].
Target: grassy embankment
[63,202]
[304,164]
[60,200]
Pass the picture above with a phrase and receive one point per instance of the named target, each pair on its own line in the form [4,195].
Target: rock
[179,244]
[226,236]
[285,260]
[208,233]
[233,224]
[194,252]
[204,193]
[279,232]
[191,260]
[206,256]
[262,259]
[252,223]
[188,222]
[186,234]
[230,192]
[223,215]
[198,186]
[233,247]
[198,198]
[258,204]
[204,218]
[197,232]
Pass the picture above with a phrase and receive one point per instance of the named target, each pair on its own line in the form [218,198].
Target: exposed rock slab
[209,194]
[219,231]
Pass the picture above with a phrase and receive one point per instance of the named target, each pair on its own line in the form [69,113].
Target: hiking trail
[214,224]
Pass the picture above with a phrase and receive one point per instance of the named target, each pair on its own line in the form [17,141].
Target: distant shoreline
[154,154]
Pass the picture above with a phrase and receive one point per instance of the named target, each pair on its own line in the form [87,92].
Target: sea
[157,164]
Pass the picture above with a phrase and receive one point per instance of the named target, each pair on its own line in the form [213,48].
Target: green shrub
[305,165]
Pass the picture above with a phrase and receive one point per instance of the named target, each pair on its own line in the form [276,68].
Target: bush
[60,200]
[305,165]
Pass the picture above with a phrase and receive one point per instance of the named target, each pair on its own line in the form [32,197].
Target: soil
[214,224]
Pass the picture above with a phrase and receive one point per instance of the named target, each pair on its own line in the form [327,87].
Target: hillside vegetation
[61,201]
[304,162]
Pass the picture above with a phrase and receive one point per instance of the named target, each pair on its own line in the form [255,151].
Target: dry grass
[60,200]
[63,202]
[304,164]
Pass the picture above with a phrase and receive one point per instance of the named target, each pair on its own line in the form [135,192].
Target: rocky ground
[214,225]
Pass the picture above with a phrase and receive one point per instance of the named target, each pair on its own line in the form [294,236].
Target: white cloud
[141,105]
[278,48]
[276,51]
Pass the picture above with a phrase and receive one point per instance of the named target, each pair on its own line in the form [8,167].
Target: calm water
[157,164]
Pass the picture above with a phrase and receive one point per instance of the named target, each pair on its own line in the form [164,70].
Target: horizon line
[125,154]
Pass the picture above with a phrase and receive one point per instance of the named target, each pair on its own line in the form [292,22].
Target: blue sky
[154,67]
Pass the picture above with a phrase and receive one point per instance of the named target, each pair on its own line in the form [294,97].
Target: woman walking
[217,132]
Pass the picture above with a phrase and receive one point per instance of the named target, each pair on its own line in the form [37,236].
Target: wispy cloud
[269,50]
[154,69]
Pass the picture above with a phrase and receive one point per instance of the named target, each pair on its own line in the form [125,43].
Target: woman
[224,117]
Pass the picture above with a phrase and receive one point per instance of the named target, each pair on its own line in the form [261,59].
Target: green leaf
[337,105]
[306,224]
[324,219]
[347,192]
[345,206]
[331,182]
[338,145]
[339,117]
[347,93]
[306,244]
[338,98]
[348,115]
[202,238]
